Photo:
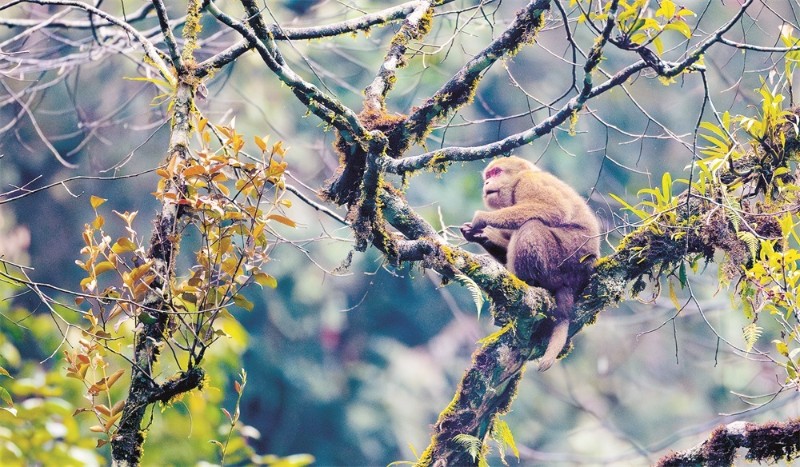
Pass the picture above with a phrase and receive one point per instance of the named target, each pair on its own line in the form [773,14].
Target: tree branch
[770,442]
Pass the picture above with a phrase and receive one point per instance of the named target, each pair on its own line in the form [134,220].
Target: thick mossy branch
[770,442]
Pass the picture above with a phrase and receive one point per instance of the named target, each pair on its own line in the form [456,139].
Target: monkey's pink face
[497,188]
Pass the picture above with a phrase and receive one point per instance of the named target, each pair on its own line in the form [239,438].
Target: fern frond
[751,333]
[474,289]
[750,240]
[471,443]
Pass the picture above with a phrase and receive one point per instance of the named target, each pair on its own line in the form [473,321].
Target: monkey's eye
[492,172]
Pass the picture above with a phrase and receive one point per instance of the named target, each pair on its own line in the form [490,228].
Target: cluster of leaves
[772,286]
[639,24]
[742,181]
[230,201]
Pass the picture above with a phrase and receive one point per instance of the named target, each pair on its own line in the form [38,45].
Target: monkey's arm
[493,240]
[513,217]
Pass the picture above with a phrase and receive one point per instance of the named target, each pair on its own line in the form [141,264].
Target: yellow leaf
[261,143]
[242,302]
[137,272]
[781,347]
[278,149]
[673,297]
[265,280]
[282,219]
[223,189]
[96,201]
[123,245]
[97,429]
[103,409]
[111,421]
[98,222]
[104,266]
[118,407]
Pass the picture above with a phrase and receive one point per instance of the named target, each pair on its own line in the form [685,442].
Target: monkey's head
[500,179]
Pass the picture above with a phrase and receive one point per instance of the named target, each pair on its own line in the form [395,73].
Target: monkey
[542,231]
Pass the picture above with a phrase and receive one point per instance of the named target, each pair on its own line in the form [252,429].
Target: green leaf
[641,214]
[682,274]
[242,302]
[5,397]
[751,241]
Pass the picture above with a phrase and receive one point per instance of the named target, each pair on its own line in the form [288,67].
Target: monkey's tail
[557,342]
[565,300]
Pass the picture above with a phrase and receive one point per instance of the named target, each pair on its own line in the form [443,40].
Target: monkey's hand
[472,234]
[479,221]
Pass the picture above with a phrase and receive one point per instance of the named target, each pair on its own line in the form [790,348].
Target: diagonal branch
[460,89]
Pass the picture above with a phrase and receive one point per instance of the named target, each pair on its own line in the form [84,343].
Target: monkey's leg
[558,339]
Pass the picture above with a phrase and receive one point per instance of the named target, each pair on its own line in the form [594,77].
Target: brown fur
[542,231]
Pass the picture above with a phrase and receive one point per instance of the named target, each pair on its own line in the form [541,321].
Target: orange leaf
[114,377]
[194,170]
[96,201]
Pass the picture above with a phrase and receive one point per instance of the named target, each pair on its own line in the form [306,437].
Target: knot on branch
[344,186]
[179,384]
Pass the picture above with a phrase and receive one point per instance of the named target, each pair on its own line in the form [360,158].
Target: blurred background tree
[352,356]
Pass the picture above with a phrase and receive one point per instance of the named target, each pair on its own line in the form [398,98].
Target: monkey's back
[557,247]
